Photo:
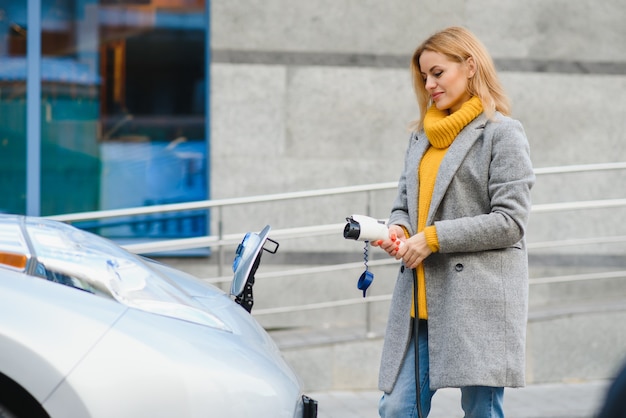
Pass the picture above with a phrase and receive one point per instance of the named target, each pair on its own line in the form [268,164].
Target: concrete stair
[576,332]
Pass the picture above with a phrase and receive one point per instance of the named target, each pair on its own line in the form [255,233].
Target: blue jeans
[476,401]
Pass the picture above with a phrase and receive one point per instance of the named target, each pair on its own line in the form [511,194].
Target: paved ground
[567,400]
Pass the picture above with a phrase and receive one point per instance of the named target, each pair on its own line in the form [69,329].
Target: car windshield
[70,256]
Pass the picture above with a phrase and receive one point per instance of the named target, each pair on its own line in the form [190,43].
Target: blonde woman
[461,213]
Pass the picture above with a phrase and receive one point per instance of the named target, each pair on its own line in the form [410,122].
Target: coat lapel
[452,161]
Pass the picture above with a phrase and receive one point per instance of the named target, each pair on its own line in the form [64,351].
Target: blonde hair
[459,44]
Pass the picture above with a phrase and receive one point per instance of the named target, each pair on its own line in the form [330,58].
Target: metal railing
[221,240]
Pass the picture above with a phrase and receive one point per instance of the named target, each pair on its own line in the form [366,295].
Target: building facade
[300,95]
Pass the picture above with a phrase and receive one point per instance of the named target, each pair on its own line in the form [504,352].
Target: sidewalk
[562,400]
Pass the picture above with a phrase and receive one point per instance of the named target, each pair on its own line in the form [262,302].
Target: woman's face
[446,80]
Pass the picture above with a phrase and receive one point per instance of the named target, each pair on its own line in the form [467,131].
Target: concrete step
[566,342]
[573,342]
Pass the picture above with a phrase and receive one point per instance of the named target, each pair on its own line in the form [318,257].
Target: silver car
[88,329]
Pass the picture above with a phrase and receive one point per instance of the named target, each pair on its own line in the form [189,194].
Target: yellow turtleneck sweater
[441,129]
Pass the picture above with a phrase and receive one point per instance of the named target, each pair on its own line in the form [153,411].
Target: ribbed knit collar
[441,128]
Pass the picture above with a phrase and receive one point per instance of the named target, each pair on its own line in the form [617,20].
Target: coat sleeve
[503,163]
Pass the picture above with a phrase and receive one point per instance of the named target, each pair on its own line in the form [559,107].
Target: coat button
[458,267]
[401,269]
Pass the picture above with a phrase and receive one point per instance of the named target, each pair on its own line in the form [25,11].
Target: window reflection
[123,96]
[152,106]
[66,280]
[13,106]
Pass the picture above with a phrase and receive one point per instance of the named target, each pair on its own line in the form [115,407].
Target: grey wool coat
[477,283]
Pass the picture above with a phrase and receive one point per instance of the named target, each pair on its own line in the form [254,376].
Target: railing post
[220,235]
[369,333]
[368,305]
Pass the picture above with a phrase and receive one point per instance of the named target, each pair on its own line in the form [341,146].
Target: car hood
[63,253]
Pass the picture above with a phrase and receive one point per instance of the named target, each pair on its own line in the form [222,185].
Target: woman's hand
[393,244]
[414,251]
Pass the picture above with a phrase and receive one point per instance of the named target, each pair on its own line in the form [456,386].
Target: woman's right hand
[392,244]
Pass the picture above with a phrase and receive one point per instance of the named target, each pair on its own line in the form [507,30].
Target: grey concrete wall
[317,94]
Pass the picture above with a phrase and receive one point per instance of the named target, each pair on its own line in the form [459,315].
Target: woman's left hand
[414,251]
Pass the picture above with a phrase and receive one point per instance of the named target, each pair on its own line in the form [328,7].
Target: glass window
[152,111]
[13,106]
[122,110]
